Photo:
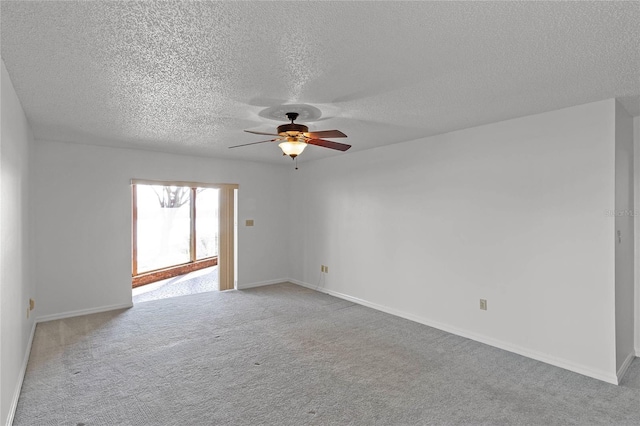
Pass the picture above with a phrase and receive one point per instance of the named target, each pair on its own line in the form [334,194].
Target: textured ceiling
[189,77]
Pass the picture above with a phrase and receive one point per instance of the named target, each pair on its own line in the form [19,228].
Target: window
[177,227]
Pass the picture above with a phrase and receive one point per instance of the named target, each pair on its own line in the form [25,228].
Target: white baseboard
[638,352]
[262,283]
[81,312]
[625,366]
[558,362]
[23,370]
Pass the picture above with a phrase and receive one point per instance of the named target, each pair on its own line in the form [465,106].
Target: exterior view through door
[181,227]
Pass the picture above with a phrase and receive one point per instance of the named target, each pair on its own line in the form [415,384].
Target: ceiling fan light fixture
[292,147]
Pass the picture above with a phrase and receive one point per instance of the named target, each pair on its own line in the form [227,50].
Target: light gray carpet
[286,355]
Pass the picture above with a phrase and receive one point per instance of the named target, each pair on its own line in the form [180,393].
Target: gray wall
[513,212]
[624,219]
[16,286]
[82,208]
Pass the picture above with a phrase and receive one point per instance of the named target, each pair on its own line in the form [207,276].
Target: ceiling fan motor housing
[292,127]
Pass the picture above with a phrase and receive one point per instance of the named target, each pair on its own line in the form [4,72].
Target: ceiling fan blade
[262,133]
[252,143]
[325,134]
[329,144]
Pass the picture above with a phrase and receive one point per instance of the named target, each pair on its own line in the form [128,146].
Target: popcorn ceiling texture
[188,77]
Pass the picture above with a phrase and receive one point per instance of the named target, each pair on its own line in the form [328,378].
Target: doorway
[180,228]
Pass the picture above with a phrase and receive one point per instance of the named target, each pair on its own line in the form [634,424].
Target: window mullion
[134,231]
[192,241]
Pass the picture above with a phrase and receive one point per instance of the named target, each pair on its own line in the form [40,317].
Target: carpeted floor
[286,355]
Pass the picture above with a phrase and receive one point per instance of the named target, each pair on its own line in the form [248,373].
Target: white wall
[624,219]
[82,205]
[512,212]
[636,165]
[15,281]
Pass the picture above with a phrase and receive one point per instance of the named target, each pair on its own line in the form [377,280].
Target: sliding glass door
[176,228]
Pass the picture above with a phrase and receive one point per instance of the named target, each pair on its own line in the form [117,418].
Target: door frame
[225,260]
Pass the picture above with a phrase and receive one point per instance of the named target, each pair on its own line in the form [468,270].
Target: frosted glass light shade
[292,148]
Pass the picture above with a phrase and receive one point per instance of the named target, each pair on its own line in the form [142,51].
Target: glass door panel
[206,223]
[164,222]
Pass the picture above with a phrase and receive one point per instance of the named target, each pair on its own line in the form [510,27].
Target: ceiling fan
[293,138]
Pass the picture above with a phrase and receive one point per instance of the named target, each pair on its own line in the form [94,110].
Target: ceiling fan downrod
[292,116]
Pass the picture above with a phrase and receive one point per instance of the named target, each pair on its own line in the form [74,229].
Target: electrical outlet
[483,304]
[32,304]
[321,268]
